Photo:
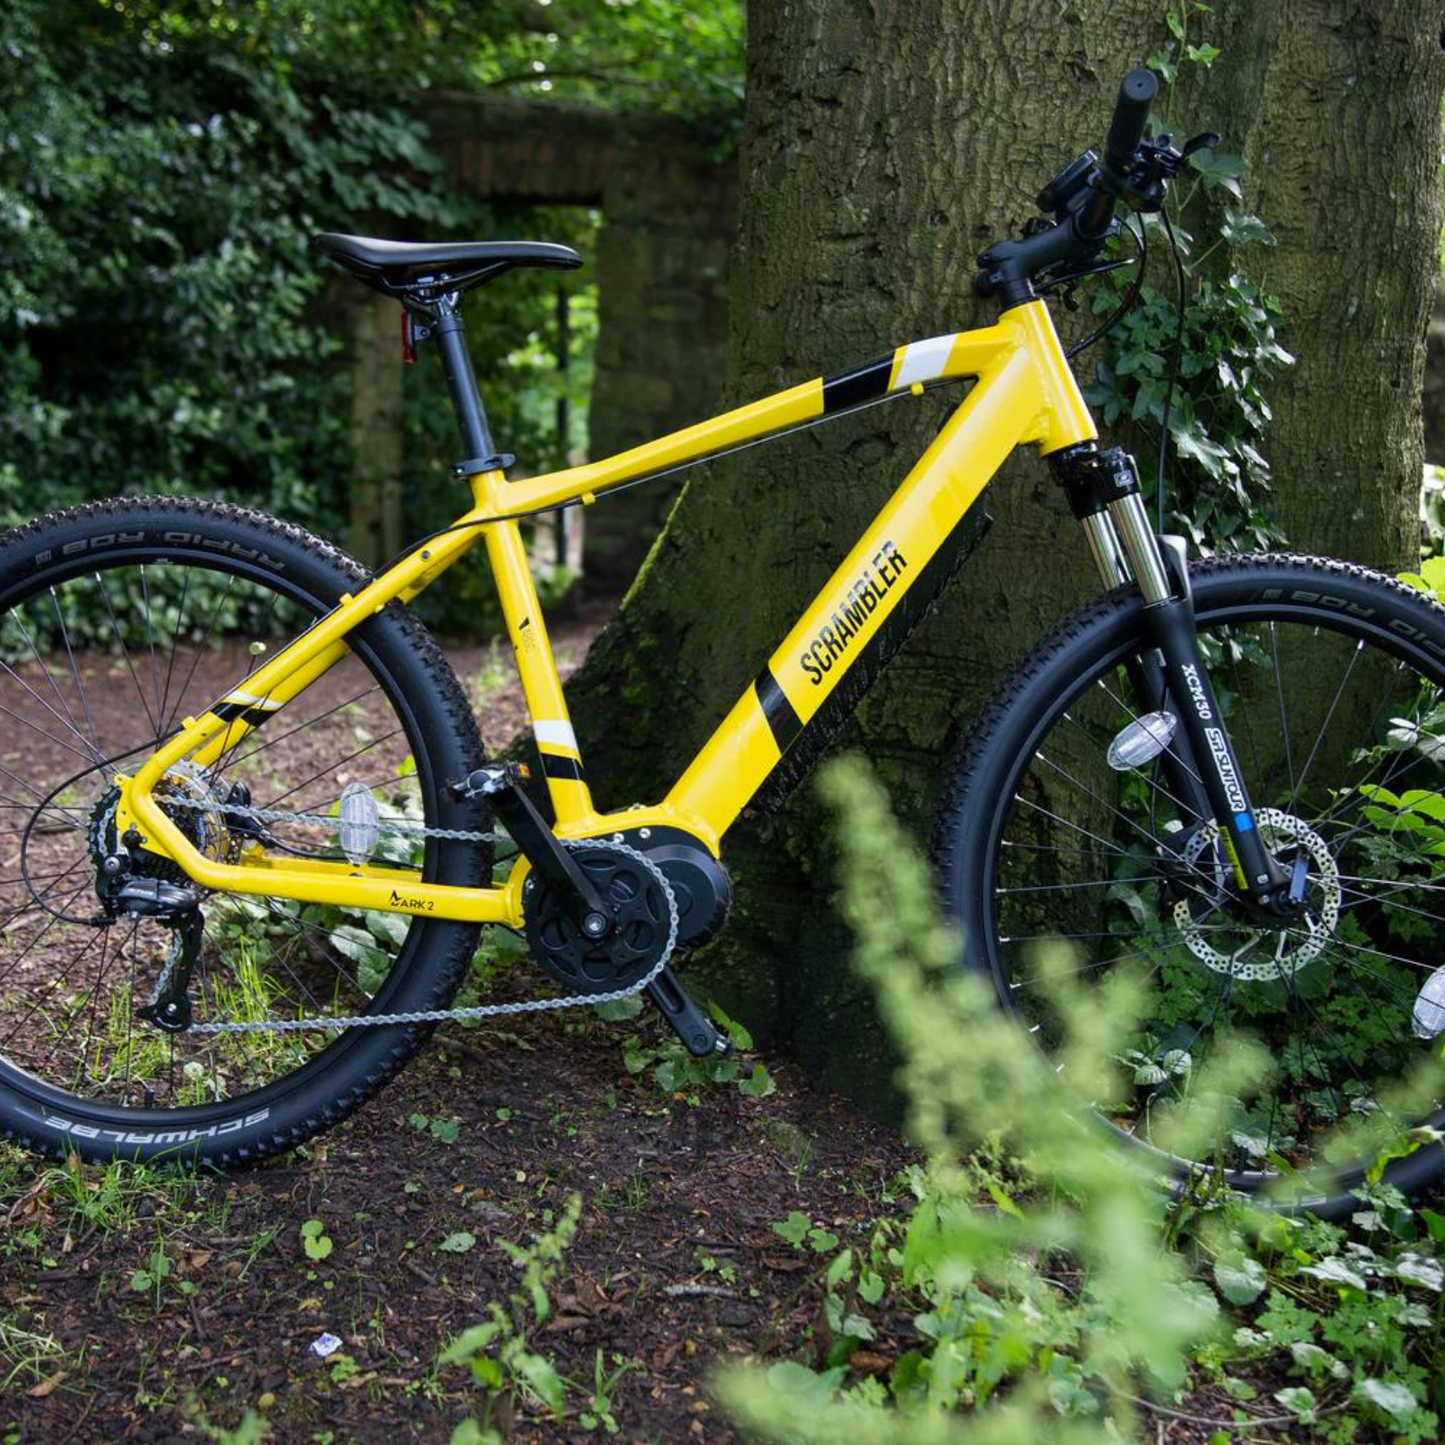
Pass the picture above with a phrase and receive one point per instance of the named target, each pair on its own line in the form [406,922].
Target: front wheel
[1331,679]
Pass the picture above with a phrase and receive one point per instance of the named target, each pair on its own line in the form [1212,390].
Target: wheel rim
[1329,999]
[96,663]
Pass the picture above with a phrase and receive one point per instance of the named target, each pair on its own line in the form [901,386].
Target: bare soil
[675,1270]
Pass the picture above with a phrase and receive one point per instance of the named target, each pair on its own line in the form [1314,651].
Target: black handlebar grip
[1131,110]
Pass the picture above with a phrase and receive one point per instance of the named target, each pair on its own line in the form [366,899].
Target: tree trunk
[1335,106]
[884,146]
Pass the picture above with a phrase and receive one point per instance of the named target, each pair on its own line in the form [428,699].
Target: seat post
[461,378]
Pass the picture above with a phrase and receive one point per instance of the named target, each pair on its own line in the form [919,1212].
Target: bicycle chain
[279,815]
[475,1011]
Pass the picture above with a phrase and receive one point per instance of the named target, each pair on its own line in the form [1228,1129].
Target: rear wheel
[1332,683]
[117,621]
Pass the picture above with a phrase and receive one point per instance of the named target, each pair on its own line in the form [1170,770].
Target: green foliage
[1432,511]
[1031,1292]
[1217,475]
[161,173]
[1351,1314]
[636,54]
[675,1071]
[989,1329]
[501,1351]
[801,1232]
[315,1242]
[165,324]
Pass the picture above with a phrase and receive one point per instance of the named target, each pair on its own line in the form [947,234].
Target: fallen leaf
[40,1391]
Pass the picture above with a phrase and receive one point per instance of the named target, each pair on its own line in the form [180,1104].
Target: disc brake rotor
[1252,953]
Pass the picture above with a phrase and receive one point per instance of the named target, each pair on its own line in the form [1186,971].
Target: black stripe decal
[782,718]
[863,383]
[229,711]
[555,766]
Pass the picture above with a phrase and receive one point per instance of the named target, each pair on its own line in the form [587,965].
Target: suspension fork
[1200,765]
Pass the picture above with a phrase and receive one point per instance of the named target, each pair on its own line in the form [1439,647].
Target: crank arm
[500,784]
[699,1035]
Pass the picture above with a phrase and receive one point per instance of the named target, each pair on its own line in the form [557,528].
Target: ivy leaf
[870,1286]
[1334,1270]
[1416,1269]
[1240,228]
[458,1243]
[1316,1360]
[1219,170]
[1239,1278]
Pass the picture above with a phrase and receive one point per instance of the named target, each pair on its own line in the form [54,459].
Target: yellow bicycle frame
[1024,393]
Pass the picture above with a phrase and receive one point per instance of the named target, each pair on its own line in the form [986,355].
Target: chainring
[638,898]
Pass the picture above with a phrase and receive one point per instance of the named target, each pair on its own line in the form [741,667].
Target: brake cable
[1141,251]
[1179,286]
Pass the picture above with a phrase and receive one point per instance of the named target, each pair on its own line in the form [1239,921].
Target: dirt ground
[539,1114]
[162,1308]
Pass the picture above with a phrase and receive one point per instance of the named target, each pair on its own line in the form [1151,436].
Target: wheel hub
[187,797]
[1244,950]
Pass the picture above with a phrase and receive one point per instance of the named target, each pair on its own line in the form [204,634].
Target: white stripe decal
[250,701]
[558,733]
[924,360]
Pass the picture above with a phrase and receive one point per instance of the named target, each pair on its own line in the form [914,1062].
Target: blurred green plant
[502,1352]
[1034,1291]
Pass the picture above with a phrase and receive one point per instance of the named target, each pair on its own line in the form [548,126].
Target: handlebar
[1083,199]
[1136,94]
[1126,129]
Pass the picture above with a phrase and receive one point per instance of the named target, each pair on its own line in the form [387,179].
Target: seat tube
[556,742]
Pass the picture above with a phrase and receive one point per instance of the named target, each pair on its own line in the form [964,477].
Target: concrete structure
[669,216]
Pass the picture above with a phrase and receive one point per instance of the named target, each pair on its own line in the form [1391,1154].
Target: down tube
[921,520]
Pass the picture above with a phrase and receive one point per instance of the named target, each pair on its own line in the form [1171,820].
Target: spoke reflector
[359,818]
[1141,741]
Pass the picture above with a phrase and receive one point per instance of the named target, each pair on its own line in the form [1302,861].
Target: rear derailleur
[177,905]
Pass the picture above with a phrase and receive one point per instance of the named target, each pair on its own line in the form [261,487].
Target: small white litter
[325,1344]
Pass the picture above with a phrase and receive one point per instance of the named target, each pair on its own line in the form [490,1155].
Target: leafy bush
[1033,1290]
[161,172]
[1216,472]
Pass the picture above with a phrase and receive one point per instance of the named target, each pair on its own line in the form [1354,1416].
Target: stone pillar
[662,276]
[372,328]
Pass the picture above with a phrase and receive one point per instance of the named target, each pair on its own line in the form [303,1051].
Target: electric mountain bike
[250,829]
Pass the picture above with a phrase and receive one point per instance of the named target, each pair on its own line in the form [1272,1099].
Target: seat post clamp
[475,466]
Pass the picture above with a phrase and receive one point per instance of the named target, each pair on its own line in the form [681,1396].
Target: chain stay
[279,815]
[477,1011]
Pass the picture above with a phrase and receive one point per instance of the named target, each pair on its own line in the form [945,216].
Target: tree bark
[885,145]
[1335,106]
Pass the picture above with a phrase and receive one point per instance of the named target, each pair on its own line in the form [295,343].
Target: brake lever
[1069,279]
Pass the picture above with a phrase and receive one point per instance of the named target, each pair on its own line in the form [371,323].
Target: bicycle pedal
[699,1035]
